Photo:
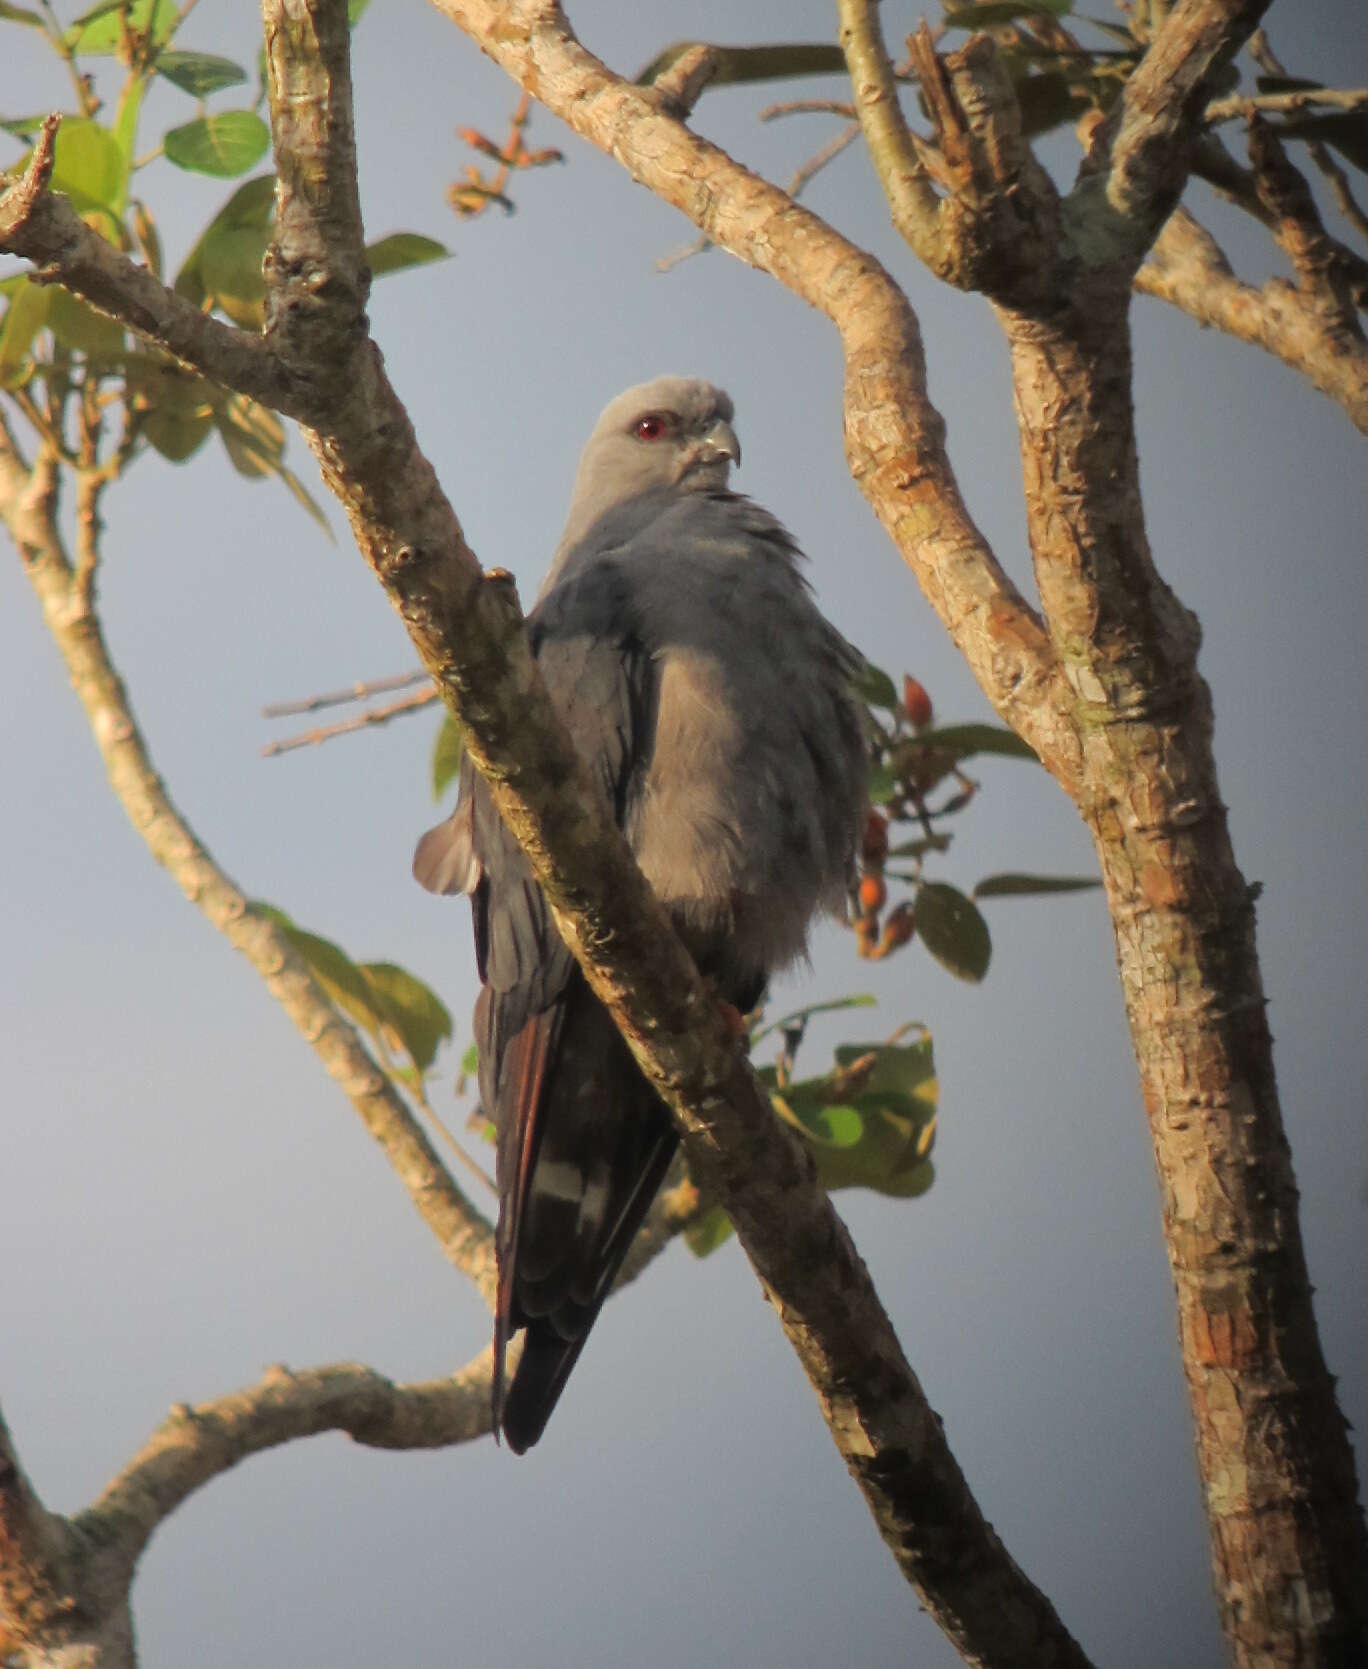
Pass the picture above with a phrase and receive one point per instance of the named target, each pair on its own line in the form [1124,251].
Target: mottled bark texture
[467,628]
[1105,688]
[1101,681]
[65,591]
[1188,268]
[1273,1449]
[64,1582]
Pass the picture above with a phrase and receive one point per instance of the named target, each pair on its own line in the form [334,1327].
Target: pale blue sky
[189,1198]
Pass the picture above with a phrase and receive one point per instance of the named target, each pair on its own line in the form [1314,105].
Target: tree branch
[1322,278]
[1187,269]
[1287,1539]
[996,229]
[894,436]
[41,1572]
[1285,104]
[64,1583]
[469,634]
[906,184]
[1132,176]
[46,230]
[195,1445]
[364,720]
[28,506]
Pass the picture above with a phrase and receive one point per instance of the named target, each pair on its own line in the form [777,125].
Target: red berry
[917,702]
[873,892]
[899,927]
[874,846]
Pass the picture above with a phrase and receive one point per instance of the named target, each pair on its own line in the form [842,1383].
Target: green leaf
[230,272]
[384,1000]
[176,407]
[253,437]
[709,1230]
[77,325]
[872,684]
[413,1009]
[736,64]
[872,1122]
[199,73]
[953,931]
[87,164]
[305,499]
[335,971]
[470,1061]
[1114,30]
[355,11]
[1286,84]
[1047,101]
[446,755]
[1011,885]
[126,134]
[894,1069]
[993,13]
[965,740]
[919,847]
[21,126]
[99,32]
[24,318]
[226,144]
[251,206]
[403,249]
[883,784]
[175,435]
[838,1125]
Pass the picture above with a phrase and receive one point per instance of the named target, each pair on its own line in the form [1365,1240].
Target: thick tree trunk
[1278,1473]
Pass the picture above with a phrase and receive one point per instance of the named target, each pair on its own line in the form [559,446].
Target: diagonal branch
[195,1445]
[1187,269]
[28,506]
[1323,278]
[46,230]
[364,720]
[908,187]
[1131,178]
[64,1582]
[894,436]
[996,227]
[469,635]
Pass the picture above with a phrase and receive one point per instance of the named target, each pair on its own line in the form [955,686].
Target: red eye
[651,427]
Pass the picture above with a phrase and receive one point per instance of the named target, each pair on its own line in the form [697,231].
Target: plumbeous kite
[681,646]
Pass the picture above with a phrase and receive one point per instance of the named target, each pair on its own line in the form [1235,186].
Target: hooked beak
[719,442]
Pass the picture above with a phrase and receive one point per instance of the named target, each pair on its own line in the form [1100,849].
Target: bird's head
[673,432]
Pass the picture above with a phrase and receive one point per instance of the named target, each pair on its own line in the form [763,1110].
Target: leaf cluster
[869,1121]
[406,1019]
[55,346]
[918,781]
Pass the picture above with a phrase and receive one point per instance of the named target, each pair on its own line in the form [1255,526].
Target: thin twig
[1339,184]
[808,107]
[360,721]
[828,153]
[338,698]
[1285,104]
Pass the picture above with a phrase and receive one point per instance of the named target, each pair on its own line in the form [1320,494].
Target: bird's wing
[583,1143]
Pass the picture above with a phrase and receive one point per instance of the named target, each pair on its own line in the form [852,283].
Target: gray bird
[682,648]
